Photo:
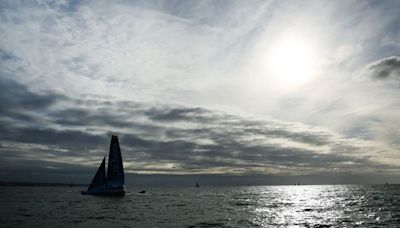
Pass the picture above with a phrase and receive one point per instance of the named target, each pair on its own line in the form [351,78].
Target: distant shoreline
[34,184]
[31,184]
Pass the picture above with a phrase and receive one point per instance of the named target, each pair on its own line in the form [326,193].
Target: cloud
[174,81]
[166,138]
[176,114]
[20,104]
[15,95]
[385,69]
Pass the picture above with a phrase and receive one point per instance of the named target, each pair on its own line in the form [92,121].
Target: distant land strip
[40,184]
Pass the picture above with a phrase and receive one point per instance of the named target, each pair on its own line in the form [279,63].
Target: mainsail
[100,176]
[115,171]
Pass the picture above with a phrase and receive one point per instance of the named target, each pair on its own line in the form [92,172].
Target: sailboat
[112,183]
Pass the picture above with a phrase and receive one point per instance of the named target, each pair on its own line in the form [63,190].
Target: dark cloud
[385,69]
[176,114]
[19,121]
[19,104]
[159,138]
[4,55]
[232,155]
[81,116]
[16,96]
[50,136]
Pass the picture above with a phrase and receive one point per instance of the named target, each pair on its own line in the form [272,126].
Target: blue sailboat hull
[106,192]
[106,189]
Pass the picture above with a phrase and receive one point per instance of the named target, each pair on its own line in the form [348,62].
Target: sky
[245,91]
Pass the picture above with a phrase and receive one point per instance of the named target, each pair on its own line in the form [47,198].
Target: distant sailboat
[112,183]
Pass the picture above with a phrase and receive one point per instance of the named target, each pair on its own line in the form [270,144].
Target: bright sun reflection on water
[308,205]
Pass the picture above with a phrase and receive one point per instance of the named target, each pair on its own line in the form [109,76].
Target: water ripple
[264,206]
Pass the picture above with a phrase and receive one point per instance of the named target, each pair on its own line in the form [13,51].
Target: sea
[247,206]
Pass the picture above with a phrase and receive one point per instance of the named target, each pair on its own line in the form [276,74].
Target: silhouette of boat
[112,183]
[197,184]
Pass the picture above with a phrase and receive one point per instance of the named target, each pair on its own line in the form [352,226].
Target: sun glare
[292,61]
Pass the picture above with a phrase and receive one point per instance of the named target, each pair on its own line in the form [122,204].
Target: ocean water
[261,206]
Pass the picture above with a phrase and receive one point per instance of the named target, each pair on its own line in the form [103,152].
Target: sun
[292,61]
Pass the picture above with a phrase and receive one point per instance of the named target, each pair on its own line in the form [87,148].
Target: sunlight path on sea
[299,205]
[323,205]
